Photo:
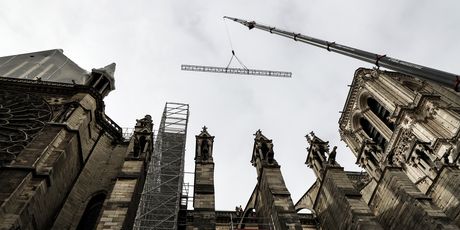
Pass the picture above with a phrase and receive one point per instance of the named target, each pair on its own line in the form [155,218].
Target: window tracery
[22,117]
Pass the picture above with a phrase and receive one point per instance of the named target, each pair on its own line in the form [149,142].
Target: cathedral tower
[405,133]
[203,199]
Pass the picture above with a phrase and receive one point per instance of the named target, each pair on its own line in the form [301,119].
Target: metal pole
[426,73]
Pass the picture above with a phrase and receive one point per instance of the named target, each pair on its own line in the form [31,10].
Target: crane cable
[231,47]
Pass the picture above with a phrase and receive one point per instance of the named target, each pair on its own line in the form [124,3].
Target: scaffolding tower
[161,197]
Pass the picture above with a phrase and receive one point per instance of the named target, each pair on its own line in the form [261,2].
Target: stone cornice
[352,96]
[47,87]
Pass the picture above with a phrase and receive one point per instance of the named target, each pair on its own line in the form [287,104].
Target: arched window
[91,215]
[373,133]
[204,150]
[100,83]
[381,112]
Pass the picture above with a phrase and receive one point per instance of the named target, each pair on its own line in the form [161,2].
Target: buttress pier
[204,216]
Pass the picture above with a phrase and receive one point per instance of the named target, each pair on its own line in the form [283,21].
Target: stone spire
[316,158]
[203,198]
[262,154]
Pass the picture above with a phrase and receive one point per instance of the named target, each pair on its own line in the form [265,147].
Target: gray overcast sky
[149,40]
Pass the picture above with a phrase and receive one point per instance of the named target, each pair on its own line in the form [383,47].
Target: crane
[242,71]
[426,73]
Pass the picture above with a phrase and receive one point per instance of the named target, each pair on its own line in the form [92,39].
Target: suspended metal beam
[213,69]
[426,73]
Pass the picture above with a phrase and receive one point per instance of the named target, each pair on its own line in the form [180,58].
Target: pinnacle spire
[109,72]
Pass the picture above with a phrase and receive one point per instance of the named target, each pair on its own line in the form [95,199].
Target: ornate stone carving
[371,158]
[362,181]
[22,117]
[319,157]
[204,143]
[402,146]
[263,149]
[317,150]
[145,123]
[421,158]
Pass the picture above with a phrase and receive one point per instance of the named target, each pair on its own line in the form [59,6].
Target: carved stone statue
[332,155]
[204,150]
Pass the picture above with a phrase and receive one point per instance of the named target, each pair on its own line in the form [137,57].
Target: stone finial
[204,146]
[310,137]
[258,133]
[144,124]
[143,136]
[204,132]
[263,150]
[319,156]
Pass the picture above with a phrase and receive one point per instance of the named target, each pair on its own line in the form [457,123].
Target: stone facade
[63,162]
[269,207]
[335,192]
[405,133]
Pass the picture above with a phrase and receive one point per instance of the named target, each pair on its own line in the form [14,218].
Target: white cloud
[149,40]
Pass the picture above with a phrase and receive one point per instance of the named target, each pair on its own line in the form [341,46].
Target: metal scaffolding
[161,197]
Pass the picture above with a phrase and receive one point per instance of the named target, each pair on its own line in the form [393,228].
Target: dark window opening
[264,148]
[102,85]
[95,78]
[412,85]
[136,147]
[381,112]
[142,143]
[204,150]
[91,215]
[99,83]
[373,133]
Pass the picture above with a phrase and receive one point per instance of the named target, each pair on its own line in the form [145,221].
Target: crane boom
[426,73]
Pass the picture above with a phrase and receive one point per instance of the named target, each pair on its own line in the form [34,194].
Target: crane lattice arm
[214,69]
[426,73]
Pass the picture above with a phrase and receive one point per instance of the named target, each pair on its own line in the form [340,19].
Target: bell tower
[203,199]
[405,133]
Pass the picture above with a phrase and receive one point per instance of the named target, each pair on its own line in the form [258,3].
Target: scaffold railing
[161,197]
[127,133]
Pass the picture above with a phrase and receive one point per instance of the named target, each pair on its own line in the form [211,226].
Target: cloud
[150,39]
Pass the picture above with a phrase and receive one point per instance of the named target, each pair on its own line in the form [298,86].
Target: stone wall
[97,176]
[399,204]
[274,206]
[445,192]
[40,180]
[339,205]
